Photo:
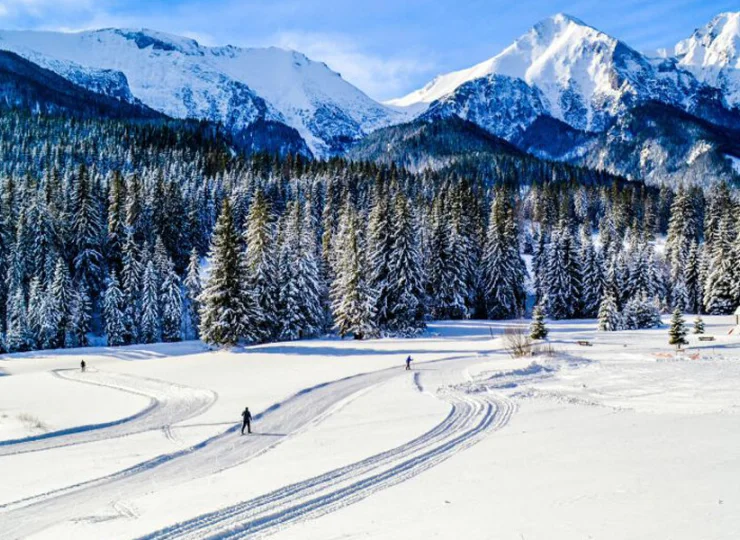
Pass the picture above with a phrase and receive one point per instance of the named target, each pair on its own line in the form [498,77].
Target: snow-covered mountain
[576,74]
[712,53]
[562,90]
[234,86]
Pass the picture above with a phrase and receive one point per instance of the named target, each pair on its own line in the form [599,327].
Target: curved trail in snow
[471,418]
[25,517]
[168,404]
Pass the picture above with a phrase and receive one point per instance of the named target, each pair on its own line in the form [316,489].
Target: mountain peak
[561,55]
[560,20]
[712,54]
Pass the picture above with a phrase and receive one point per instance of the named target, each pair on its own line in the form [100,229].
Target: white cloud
[379,77]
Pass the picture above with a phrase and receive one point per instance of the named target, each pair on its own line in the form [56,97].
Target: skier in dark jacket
[247,423]
[408,363]
[82,366]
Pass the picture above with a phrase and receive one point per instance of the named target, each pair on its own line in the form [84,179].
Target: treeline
[122,233]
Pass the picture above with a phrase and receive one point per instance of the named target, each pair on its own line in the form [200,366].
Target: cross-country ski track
[471,417]
[169,404]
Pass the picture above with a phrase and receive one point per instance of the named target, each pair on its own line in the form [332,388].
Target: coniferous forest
[138,232]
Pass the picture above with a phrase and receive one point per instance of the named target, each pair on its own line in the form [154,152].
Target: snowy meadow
[620,438]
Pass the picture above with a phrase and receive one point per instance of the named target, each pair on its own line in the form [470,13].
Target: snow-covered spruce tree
[291,316]
[503,268]
[132,275]
[352,300]
[677,333]
[45,239]
[259,273]
[698,325]
[221,309]
[80,317]
[86,231]
[539,266]
[592,283]
[639,313]
[406,286]
[150,315]
[193,290]
[62,294]
[538,329]
[680,293]
[43,319]
[18,335]
[301,311]
[719,295]
[171,305]
[610,319]
[114,312]
[380,237]
[116,220]
[694,281]
[562,274]
[683,230]
[315,293]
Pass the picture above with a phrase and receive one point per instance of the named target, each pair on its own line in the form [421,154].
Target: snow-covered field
[620,439]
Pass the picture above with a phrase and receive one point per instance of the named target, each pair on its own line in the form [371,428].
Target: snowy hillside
[230,85]
[712,53]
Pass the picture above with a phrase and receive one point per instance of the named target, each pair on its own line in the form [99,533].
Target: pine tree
[503,268]
[719,290]
[259,273]
[609,317]
[61,300]
[538,329]
[592,274]
[80,317]
[380,237]
[114,312]
[18,335]
[406,289]
[221,308]
[562,275]
[150,316]
[352,300]
[132,275]
[193,290]
[698,325]
[171,305]
[86,233]
[677,333]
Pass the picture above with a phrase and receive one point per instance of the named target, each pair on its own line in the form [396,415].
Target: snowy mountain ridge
[583,76]
[233,86]
[712,54]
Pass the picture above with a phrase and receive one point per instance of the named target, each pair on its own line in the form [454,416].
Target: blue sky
[386,47]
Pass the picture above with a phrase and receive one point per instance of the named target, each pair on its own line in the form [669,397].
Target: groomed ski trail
[169,404]
[304,409]
[471,418]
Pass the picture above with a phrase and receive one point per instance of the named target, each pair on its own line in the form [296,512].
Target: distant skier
[247,422]
[82,366]
[408,363]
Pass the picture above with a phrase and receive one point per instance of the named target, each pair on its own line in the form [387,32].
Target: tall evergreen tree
[406,286]
[114,312]
[222,311]
[259,272]
[352,300]
[193,290]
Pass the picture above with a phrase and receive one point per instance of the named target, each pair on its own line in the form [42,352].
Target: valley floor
[620,439]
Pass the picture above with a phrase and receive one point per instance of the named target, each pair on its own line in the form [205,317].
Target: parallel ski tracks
[470,419]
